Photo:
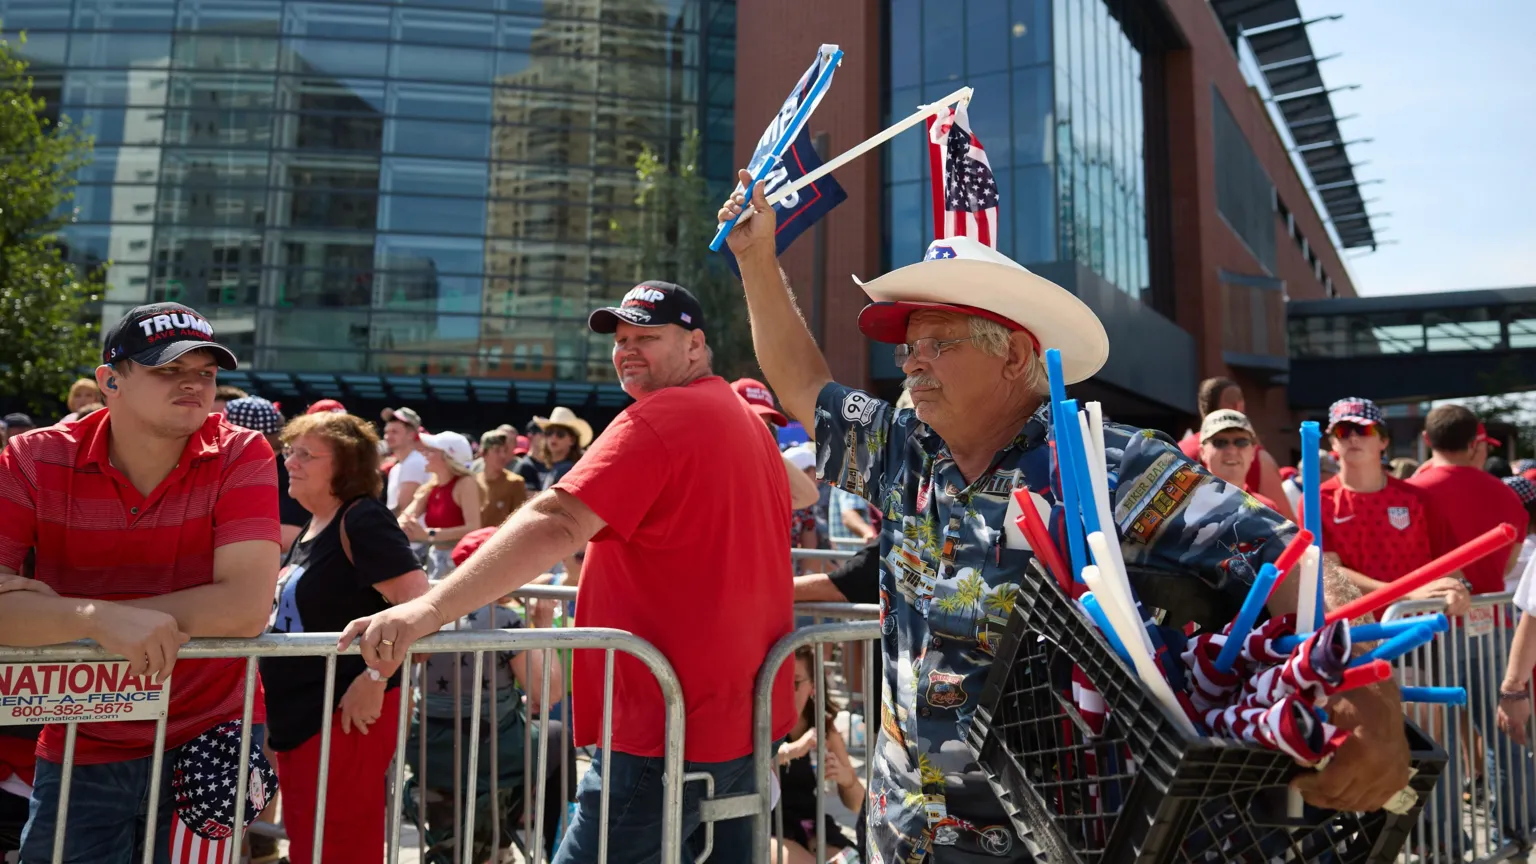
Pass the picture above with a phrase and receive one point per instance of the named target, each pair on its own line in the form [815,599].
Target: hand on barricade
[362,704]
[146,638]
[1514,716]
[792,750]
[1457,600]
[383,638]
[754,230]
[11,582]
[541,613]
[1373,765]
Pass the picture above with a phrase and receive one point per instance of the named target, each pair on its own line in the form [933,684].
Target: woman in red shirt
[447,506]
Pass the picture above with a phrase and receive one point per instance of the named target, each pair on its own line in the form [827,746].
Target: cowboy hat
[563,416]
[958,274]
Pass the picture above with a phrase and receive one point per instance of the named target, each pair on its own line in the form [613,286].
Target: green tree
[45,338]
[676,223]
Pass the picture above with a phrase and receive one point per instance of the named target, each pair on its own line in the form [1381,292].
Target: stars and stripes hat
[256,414]
[1353,409]
[204,781]
[1522,486]
[651,304]
[959,274]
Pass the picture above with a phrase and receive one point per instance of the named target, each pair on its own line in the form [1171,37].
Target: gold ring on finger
[387,643]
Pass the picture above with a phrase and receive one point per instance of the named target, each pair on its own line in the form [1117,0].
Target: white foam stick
[1146,669]
[1117,586]
[1092,426]
[1308,616]
[921,114]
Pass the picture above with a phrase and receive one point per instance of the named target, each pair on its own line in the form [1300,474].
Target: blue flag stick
[1397,646]
[1435,695]
[1372,632]
[1258,594]
[1096,612]
[1311,478]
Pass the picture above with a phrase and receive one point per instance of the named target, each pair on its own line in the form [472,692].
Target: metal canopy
[1276,32]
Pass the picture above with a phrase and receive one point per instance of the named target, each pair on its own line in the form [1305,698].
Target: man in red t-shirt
[1463,498]
[686,503]
[1376,527]
[1263,475]
[153,521]
[1465,501]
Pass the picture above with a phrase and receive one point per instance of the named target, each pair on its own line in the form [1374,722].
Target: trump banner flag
[801,208]
[784,154]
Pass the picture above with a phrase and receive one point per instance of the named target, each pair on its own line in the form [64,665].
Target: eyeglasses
[924,350]
[301,456]
[1350,430]
[558,432]
[1224,443]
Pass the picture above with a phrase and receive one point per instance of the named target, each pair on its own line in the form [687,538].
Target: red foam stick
[1361,676]
[1496,538]
[1290,556]
[1039,538]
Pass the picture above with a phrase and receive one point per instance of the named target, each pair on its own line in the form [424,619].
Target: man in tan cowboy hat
[686,502]
[969,327]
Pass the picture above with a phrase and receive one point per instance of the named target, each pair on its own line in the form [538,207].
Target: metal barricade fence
[1492,820]
[765,748]
[478,643]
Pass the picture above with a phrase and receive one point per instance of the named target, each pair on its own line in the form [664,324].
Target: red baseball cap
[325,405]
[1485,438]
[521,447]
[760,399]
[470,542]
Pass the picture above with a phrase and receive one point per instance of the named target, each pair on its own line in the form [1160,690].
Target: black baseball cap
[156,334]
[651,304]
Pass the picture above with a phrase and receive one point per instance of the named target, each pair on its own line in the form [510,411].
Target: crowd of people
[167,507]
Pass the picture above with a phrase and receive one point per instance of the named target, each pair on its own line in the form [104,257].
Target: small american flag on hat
[965,194]
[204,782]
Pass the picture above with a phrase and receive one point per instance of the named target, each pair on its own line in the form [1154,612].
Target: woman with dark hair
[566,436]
[350,559]
[799,779]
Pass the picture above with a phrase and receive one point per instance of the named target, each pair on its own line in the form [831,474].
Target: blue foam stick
[1072,526]
[1372,632]
[1258,594]
[1312,508]
[1096,612]
[1397,646]
[1079,456]
[1436,695]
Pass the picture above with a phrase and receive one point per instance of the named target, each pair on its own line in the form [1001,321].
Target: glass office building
[423,188]
[1058,109]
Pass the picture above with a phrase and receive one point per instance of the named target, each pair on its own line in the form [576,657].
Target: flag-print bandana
[203,780]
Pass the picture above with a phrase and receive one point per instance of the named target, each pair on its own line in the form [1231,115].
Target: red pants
[354,798]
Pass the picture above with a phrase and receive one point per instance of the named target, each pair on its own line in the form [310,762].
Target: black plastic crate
[1075,798]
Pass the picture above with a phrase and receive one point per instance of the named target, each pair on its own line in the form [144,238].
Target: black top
[289,511]
[320,591]
[529,469]
[859,576]
[554,474]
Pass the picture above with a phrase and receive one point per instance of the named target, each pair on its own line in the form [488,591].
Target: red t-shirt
[97,537]
[694,559]
[1465,502]
[1190,446]
[1384,535]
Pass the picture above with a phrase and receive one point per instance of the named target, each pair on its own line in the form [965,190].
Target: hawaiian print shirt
[950,559]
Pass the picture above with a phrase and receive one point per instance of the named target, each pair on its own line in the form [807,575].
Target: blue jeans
[108,804]
[635,812]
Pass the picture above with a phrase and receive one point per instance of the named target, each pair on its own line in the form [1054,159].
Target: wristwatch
[431,533]
[1465,583]
[373,674]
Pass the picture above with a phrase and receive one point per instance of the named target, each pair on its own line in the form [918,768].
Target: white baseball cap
[453,445]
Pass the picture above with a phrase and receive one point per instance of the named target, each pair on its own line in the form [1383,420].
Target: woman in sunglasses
[1228,448]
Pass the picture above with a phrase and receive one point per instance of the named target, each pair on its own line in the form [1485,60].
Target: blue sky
[1448,92]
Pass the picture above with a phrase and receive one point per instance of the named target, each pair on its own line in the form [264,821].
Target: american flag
[964,189]
[203,780]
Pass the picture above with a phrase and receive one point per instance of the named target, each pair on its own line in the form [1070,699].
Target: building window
[1244,195]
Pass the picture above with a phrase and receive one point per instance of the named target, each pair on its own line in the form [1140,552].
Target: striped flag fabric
[203,781]
[965,193]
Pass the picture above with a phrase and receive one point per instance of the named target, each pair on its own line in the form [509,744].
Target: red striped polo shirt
[97,537]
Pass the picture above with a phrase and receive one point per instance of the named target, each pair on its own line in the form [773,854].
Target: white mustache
[920,380]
